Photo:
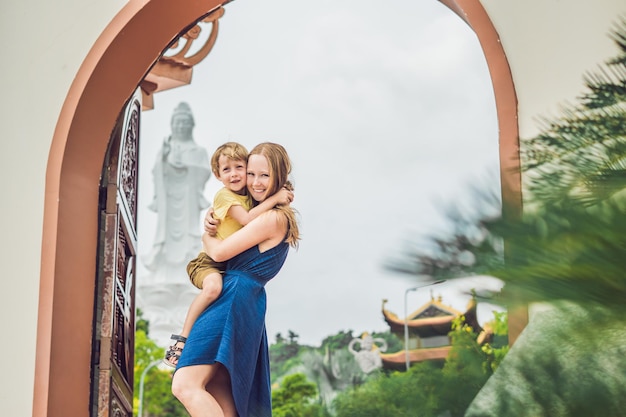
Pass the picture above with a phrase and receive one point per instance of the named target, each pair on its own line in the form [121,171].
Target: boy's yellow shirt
[222,202]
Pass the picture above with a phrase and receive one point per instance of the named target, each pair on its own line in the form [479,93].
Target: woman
[224,367]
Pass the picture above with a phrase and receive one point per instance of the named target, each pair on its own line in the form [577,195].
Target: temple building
[428,329]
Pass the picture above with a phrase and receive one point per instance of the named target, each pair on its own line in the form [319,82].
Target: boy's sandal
[174,351]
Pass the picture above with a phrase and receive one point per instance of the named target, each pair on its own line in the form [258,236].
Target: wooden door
[114,324]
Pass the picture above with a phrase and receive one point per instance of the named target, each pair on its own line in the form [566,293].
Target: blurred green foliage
[428,389]
[566,251]
[296,397]
[569,242]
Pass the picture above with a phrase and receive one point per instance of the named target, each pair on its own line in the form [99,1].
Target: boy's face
[232,173]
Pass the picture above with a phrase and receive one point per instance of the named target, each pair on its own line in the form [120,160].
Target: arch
[473,13]
[476,17]
[135,38]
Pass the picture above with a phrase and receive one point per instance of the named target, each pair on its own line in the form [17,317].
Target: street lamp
[406,319]
[141,379]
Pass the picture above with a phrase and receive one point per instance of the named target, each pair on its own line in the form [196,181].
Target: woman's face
[258,179]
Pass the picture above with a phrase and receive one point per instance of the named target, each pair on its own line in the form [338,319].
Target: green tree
[337,341]
[284,354]
[293,337]
[498,347]
[465,371]
[158,400]
[393,343]
[428,389]
[279,338]
[397,394]
[296,398]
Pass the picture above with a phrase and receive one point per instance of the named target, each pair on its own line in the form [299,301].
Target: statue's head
[367,341]
[182,120]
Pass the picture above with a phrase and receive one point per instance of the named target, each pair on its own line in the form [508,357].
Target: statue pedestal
[164,306]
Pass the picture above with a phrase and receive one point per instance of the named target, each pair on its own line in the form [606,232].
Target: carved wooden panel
[124,307]
[114,338]
[128,166]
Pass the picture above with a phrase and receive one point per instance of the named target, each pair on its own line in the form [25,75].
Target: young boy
[233,207]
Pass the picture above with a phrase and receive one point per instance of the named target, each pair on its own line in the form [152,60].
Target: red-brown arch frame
[134,40]
[475,15]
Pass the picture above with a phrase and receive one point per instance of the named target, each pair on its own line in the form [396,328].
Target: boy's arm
[243,217]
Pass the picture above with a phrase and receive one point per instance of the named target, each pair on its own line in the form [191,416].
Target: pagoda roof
[398,360]
[432,318]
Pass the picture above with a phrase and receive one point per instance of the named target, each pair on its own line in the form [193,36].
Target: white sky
[386,109]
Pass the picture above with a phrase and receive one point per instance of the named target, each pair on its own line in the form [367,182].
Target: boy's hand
[284,196]
[210,224]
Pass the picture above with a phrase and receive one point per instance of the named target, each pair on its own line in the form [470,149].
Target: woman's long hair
[280,168]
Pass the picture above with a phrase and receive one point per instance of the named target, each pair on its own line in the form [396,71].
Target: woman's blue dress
[231,331]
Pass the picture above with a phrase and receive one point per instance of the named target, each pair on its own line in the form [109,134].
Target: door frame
[137,37]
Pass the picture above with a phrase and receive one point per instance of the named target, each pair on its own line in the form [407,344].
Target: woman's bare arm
[267,231]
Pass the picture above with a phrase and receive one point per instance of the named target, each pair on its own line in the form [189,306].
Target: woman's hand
[210,224]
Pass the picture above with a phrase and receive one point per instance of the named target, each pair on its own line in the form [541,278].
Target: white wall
[44,44]
[550,44]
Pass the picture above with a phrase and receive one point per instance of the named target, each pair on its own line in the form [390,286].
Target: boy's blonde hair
[231,150]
